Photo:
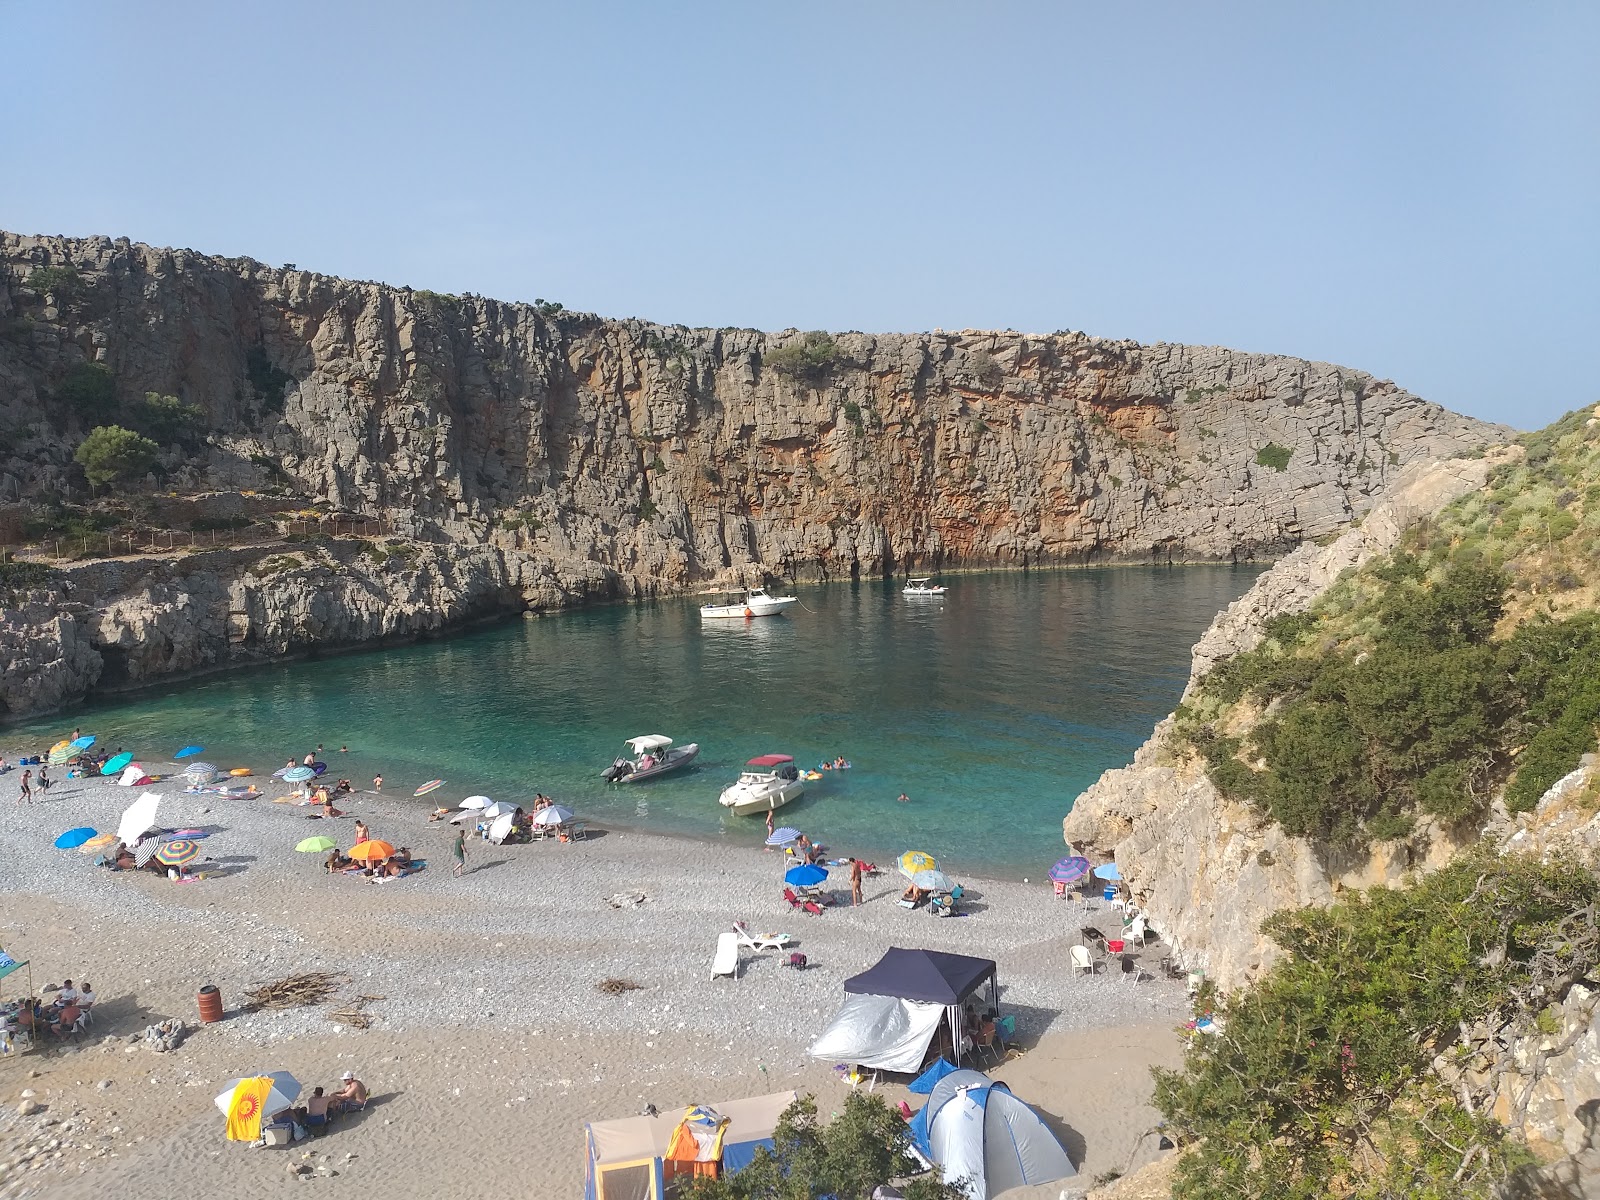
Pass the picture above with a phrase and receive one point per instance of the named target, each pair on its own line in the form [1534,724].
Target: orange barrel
[210,1004]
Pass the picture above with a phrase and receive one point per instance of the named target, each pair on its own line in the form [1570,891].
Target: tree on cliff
[112,454]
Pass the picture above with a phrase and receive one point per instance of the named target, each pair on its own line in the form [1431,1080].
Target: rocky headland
[519,456]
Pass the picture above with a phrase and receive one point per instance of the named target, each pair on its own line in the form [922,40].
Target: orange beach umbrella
[372,851]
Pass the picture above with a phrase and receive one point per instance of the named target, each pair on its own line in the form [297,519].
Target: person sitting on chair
[317,1108]
[65,1018]
[353,1095]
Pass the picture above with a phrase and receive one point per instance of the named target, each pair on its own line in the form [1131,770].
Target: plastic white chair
[1082,960]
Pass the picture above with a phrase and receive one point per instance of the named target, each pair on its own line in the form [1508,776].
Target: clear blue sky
[1409,188]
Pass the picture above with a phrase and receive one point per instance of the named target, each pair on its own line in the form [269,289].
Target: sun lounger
[765,941]
[812,907]
[727,960]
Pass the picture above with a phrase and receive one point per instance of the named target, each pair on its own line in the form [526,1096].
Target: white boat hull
[770,607]
[744,800]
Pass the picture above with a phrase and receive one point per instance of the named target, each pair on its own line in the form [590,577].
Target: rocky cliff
[1209,870]
[671,453]
[518,456]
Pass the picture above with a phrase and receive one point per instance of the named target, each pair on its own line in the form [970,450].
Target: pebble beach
[492,1042]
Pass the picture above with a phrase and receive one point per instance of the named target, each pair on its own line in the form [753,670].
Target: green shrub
[1325,1070]
[986,369]
[1275,456]
[169,420]
[809,360]
[267,379]
[90,392]
[112,454]
[61,282]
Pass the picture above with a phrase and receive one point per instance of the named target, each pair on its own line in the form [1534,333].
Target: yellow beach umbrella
[246,1101]
[913,861]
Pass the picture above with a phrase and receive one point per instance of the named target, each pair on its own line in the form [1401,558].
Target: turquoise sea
[992,708]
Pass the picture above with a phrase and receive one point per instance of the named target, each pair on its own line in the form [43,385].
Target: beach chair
[1082,960]
[1134,930]
[766,941]
[984,1041]
[577,831]
[727,959]
[812,907]
[788,894]
[1130,969]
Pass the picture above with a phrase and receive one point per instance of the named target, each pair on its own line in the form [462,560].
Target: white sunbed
[727,960]
[764,941]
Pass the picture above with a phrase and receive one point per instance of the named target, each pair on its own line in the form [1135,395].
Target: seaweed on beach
[300,990]
[354,1013]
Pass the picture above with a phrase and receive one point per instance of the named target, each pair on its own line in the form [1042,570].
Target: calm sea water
[992,708]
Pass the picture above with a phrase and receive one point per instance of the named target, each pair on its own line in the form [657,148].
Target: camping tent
[976,1130]
[629,1159]
[892,1009]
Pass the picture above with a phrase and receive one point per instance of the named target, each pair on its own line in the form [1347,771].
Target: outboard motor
[617,770]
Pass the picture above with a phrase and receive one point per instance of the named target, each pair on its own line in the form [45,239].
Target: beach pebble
[28,1093]
[28,1107]
[103,1084]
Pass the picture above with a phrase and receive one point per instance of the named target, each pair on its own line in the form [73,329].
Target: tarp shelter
[629,1159]
[10,966]
[892,1010]
[974,1129]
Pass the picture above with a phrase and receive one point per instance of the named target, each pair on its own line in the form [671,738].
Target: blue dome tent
[974,1129]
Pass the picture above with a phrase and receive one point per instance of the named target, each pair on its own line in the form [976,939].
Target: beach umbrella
[932,881]
[178,852]
[246,1101]
[501,827]
[476,802]
[63,753]
[469,814]
[805,875]
[501,808]
[316,845]
[372,851]
[432,785]
[555,814]
[144,851]
[913,861]
[1070,869]
[200,768]
[84,742]
[138,817]
[1108,871]
[189,752]
[131,775]
[298,775]
[94,843]
[282,771]
[73,838]
[116,764]
[782,837]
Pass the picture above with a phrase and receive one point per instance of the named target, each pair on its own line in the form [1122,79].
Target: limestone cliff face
[1208,870]
[667,454]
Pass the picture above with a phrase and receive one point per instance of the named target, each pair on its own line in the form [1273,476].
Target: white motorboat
[922,587]
[766,783]
[653,754]
[756,603]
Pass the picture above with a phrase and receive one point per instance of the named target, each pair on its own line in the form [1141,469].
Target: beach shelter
[974,1129]
[10,966]
[139,817]
[247,1102]
[636,1158]
[892,1010]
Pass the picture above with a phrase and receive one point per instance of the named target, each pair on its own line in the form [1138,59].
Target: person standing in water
[769,825]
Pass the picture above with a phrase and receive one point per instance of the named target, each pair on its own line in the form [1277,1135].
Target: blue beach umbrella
[73,838]
[298,774]
[782,837]
[84,742]
[1109,871]
[189,752]
[806,875]
[1070,869]
[116,764]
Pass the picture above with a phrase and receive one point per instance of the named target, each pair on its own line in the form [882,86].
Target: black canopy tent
[931,977]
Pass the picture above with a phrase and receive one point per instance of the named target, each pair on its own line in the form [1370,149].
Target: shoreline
[491,979]
[9,722]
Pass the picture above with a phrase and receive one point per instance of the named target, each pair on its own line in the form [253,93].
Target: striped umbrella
[432,785]
[178,852]
[1070,869]
[63,753]
[782,837]
[298,774]
[96,842]
[146,850]
[913,861]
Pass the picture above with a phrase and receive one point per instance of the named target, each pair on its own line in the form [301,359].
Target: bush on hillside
[112,454]
[1320,1082]
[809,360]
[168,420]
[89,391]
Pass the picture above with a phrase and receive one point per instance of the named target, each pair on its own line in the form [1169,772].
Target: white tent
[976,1130]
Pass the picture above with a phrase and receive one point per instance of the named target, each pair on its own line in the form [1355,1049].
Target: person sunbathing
[336,861]
[328,810]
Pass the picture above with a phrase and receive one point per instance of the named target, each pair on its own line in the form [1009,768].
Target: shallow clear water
[992,708]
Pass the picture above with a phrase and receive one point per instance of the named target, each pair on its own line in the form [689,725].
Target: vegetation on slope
[1465,663]
[1365,1063]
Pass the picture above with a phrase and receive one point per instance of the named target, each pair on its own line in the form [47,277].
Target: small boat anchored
[651,757]
[766,784]
[924,586]
[756,603]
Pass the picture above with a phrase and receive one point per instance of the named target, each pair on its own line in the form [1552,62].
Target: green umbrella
[316,845]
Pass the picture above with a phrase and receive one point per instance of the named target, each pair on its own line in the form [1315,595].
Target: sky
[1411,189]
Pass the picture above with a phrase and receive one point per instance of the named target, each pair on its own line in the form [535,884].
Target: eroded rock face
[1207,870]
[671,453]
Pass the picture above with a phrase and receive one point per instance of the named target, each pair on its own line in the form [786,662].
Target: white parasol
[138,817]
[556,814]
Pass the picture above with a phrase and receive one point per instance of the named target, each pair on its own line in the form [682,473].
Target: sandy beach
[492,1044]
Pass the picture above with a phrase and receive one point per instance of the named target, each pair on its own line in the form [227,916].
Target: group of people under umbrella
[926,883]
[139,843]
